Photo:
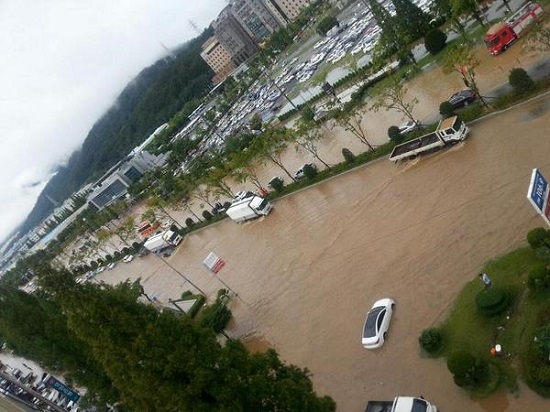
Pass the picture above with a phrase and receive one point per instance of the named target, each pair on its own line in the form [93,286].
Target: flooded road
[307,274]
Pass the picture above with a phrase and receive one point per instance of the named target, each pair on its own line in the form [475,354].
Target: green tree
[308,136]
[435,41]
[164,362]
[350,120]
[467,7]
[461,60]
[326,24]
[520,80]
[390,36]
[411,22]
[255,122]
[270,147]
[393,97]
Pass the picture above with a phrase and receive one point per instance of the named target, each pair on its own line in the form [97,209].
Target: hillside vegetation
[152,98]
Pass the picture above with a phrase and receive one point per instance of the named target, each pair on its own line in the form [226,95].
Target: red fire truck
[501,35]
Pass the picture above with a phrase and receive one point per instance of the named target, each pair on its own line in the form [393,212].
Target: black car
[462,98]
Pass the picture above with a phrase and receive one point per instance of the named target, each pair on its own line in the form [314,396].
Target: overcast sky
[63,63]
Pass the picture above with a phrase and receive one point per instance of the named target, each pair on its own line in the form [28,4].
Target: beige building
[218,58]
[291,8]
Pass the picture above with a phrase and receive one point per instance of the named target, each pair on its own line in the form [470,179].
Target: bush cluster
[467,370]
[431,340]
[538,278]
[493,301]
[538,237]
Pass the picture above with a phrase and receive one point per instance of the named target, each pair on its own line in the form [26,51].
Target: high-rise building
[256,18]
[218,58]
[276,12]
[233,37]
[291,8]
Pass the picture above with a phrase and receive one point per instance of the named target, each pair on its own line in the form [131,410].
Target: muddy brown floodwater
[307,274]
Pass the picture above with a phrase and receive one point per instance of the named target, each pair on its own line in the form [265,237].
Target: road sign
[538,191]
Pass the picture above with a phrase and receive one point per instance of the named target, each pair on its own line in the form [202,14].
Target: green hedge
[492,301]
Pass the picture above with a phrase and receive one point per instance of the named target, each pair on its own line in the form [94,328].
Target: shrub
[537,237]
[125,250]
[446,109]
[108,258]
[467,370]
[471,113]
[116,254]
[348,155]
[435,41]
[309,171]
[226,205]
[492,301]
[277,184]
[461,364]
[520,80]
[431,340]
[206,215]
[395,134]
[137,245]
[538,278]
[189,222]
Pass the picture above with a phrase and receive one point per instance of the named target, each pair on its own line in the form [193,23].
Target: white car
[128,258]
[377,323]
[409,126]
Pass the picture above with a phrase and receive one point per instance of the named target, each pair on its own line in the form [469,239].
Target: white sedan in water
[377,323]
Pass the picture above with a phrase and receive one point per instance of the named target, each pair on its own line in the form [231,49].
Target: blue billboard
[538,190]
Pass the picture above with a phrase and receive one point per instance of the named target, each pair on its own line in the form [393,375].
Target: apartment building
[218,58]
[233,37]
[291,8]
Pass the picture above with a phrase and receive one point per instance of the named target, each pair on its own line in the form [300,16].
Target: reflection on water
[495,403]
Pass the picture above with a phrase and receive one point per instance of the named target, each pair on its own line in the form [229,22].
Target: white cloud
[63,64]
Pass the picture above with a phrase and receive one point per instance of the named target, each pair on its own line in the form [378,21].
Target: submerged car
[377,323]
[300,173]
[409,126]
[462,98]
[128,258]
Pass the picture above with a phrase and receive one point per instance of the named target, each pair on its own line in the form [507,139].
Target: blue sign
[63,389]
[537,190]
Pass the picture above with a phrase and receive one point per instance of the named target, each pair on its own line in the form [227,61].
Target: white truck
[449,132]
[248,208]
[162,241]
[401,404]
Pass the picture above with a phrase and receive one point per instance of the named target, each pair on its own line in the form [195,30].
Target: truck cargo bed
[379,406]
[414,144]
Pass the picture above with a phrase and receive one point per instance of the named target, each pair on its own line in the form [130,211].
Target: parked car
[243,194]
[300,172]
[218,208]
[111,265]
[462,98]
[409,126]
[377,323]
[128,258]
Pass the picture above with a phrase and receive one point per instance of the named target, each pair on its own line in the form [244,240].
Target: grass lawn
[466,329]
